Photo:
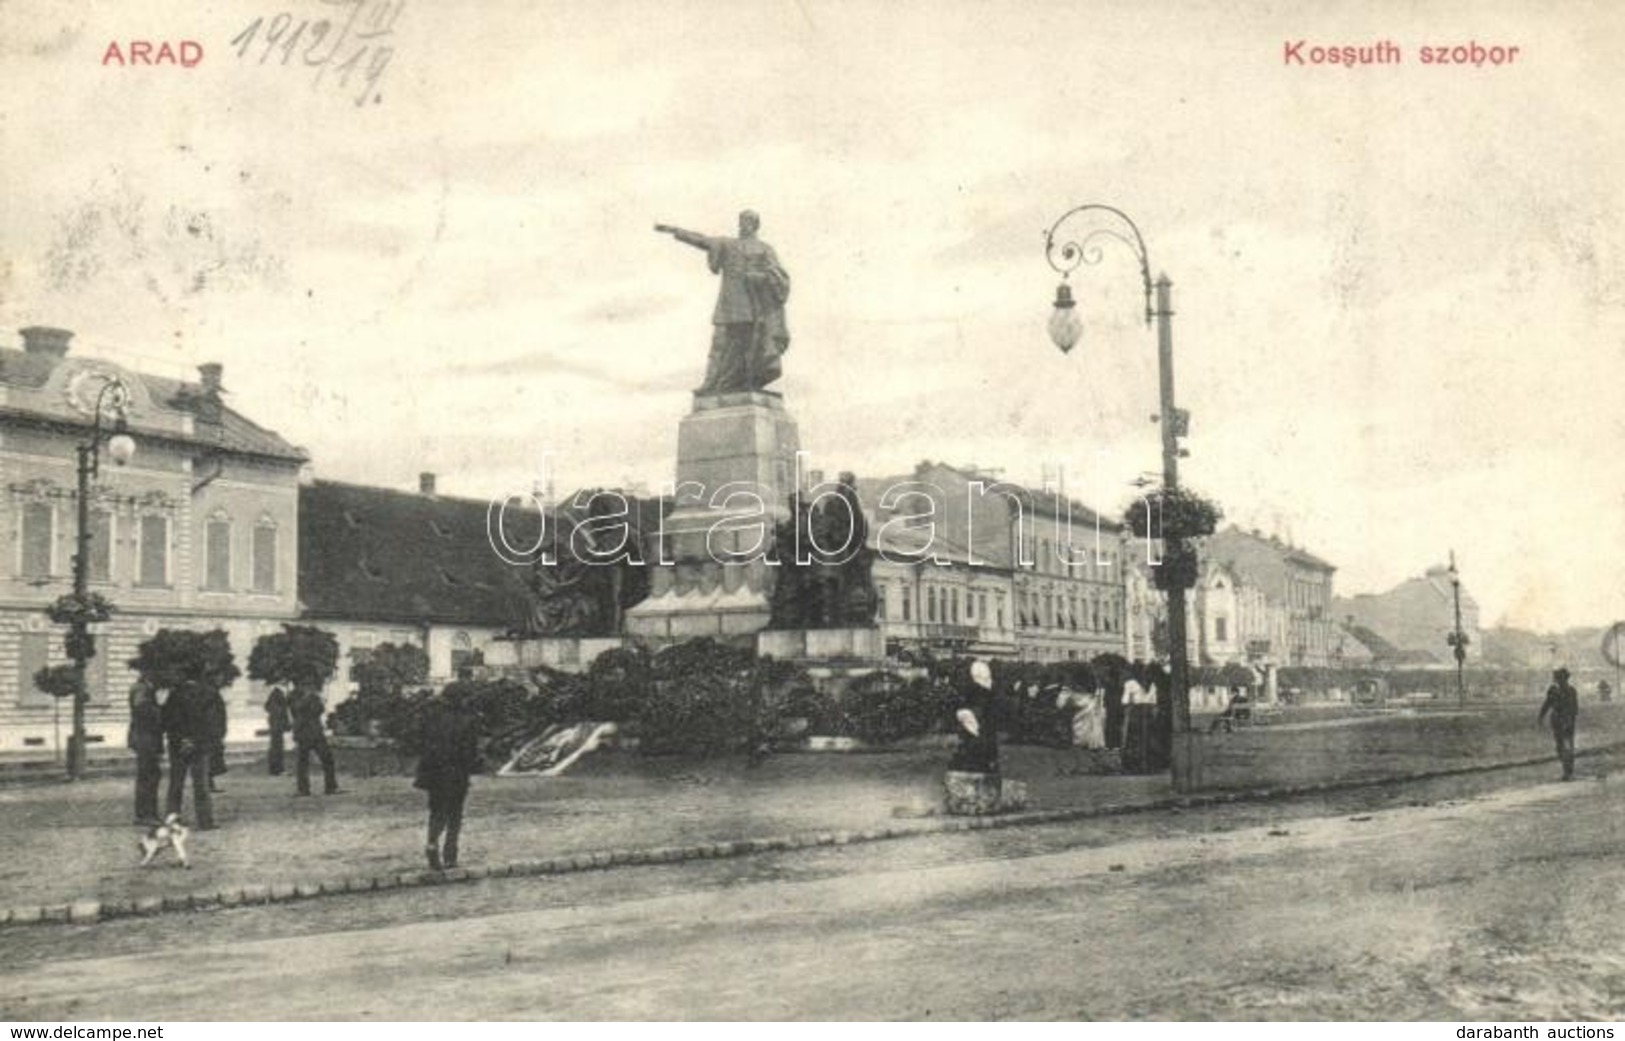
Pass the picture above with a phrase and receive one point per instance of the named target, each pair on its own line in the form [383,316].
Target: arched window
[265,556]
[217,552]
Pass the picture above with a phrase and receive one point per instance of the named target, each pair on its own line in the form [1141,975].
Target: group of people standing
[190,723]
[300,713]
[1130,712]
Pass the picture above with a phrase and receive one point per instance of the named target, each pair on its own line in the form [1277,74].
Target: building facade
[1288,579]
[970,563]
[1417,617]
[198,531]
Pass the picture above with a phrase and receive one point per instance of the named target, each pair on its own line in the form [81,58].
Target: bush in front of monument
[698,702]
[883,707]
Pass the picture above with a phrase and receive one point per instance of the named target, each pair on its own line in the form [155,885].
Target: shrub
[699,700]
[884,707]
[617,685]
[382,679]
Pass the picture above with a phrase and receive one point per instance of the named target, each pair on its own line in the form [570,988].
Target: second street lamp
[1458,640]
[114,398]
[1065,251]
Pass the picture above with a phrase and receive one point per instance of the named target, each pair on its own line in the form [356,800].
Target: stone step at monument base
[672,617]
[565,653]
[855,646]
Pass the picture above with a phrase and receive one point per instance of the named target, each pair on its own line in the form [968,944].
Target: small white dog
[170,834]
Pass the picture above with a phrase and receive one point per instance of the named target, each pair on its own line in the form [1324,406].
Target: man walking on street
[309,736]
[450,756]
[1563,702]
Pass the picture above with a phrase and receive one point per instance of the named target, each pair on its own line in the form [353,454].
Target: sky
[1398,288]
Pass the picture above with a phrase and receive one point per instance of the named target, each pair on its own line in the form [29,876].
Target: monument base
[858,645]
[736,458]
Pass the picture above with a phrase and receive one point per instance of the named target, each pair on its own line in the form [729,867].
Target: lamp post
[114,397]
[1065,252]
[1457,640]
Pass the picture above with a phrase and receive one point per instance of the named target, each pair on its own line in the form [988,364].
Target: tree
[383,680]
[59,681]
[300,655]
[390,669]
[173,658]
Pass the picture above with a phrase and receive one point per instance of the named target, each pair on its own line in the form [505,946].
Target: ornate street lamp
[113,398]
[1065,251]
[1457,640]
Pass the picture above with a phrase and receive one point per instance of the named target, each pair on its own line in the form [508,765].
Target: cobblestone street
[81,845]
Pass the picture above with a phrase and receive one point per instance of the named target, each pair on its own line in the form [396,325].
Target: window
[33,653]
[217,554]
[38,539]
[1221,629]
[953,615]
[1001,611]
[931,604]
[882,594]
[981,605]
[101,546]
[154,555]
[462,653]
[908,605]
[264,558]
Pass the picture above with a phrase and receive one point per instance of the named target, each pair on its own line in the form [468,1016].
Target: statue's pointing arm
[692,238]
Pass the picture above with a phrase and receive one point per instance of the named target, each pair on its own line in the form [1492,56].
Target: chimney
[42,339]
[208,403]
[426,483]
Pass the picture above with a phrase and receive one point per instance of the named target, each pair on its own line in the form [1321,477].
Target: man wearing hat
[1563,702]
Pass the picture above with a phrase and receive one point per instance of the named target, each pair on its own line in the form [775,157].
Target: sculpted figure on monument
[828,584]
[748,327]
[592,578]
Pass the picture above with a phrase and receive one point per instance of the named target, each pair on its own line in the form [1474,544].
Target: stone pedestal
[979,795]
[823,645]
[736,464]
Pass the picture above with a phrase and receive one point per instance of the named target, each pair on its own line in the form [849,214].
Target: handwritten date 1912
[356,42]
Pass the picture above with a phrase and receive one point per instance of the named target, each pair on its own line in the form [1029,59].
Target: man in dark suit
[310,736]
[146,740]
[278,722]
[1563,702]
[451,754]
[188,731]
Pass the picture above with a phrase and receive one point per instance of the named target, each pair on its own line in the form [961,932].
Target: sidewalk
[76,843]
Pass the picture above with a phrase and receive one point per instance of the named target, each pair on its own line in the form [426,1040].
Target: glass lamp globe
[1064,324]
[121,448]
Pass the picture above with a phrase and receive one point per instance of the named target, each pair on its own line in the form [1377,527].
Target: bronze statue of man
[748,328]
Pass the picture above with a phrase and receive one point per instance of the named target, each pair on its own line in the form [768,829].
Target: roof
[233,431]
[1040,500]
[377,554]
[1283,550]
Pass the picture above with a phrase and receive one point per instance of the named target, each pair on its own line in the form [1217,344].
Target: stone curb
[90,911]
